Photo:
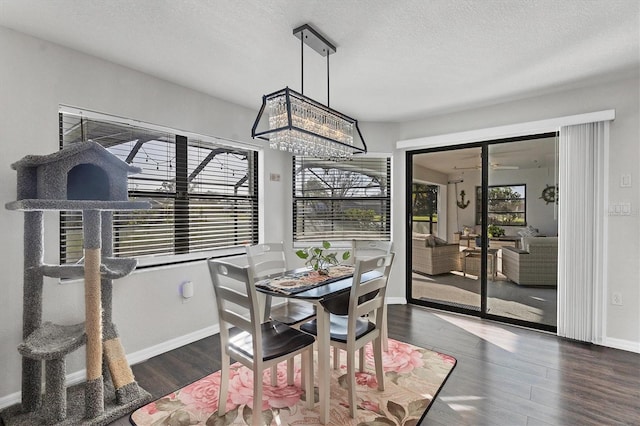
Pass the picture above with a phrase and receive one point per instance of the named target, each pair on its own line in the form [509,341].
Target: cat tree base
[76,411]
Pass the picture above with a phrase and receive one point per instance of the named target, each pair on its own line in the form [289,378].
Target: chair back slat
[368,296]
[267,258]
[369,248]
[233,288]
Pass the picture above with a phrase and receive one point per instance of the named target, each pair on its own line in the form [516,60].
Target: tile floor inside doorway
[505,298]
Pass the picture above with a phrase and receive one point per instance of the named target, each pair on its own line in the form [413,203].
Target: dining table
[307,285]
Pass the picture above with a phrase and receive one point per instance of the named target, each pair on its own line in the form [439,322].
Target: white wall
[622,323]
[540,215]
[35,78]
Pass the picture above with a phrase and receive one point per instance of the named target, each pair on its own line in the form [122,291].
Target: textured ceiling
[395,60]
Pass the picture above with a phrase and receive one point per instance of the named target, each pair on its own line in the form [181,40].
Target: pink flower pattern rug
[413,377]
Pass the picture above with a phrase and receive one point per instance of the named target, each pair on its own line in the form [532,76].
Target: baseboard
[396,301]
[133,358]
[625,345]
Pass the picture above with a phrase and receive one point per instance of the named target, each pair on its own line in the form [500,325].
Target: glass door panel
[522,227]
[444,229]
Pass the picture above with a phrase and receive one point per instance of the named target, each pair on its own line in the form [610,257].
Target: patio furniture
[439,258]
[535,264]
[471,261]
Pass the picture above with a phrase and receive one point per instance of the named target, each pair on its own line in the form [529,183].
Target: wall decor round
[549,194]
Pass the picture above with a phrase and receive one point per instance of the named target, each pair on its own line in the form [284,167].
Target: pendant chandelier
[295,123]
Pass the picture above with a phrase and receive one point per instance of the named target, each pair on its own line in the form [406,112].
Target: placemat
[298,282]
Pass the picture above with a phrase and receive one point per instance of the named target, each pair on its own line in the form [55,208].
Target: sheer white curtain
[581,228]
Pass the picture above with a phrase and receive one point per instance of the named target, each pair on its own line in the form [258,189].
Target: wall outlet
[186,291]
[616,298]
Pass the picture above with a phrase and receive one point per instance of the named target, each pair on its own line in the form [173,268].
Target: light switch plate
[625,181]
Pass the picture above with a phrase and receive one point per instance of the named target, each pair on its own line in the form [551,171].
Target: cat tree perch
[82,177]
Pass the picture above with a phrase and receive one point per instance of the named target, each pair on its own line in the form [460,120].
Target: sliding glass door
[478,215]
[442,204]
[522,229]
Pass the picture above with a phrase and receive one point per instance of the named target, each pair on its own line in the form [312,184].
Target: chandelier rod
[328,79]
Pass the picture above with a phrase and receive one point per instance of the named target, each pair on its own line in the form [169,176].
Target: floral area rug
[413,378]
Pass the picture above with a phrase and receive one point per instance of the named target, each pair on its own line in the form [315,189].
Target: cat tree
[82,177]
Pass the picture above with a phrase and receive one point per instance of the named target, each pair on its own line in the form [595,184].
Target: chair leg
[307,376]
[257,395]
[361,359]
[336,358]
[274,375]
[224,384]
[377,357]
[290,371]
[384,332]
[351,375]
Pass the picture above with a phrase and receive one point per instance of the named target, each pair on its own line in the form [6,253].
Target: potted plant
[319,258]
[495,231]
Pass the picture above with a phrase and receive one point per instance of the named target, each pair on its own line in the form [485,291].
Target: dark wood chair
[257,345]
[351,327]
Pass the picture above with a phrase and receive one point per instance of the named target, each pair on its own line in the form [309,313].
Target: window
[424,200]
[341,200]
[507,205]
[203,192]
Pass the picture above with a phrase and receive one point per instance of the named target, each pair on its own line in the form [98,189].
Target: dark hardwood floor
[505,375]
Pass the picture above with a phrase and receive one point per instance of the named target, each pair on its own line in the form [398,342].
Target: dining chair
[266,259]
[269,258]
[256,344]
[350,327]
[360,248]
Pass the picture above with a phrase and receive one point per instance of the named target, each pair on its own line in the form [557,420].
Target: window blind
[203,193]
[340,201]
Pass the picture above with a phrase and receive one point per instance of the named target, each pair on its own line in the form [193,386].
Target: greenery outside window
[341,200]
[203,192]
[507,205]
[424,200]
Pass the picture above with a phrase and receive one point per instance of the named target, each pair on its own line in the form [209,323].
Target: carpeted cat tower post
[82,177]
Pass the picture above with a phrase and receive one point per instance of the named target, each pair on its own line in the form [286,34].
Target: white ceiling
[395,60]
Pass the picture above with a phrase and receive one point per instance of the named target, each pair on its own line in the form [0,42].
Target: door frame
[482,313]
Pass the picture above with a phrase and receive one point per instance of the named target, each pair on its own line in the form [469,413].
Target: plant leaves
[302,254]
[180,418]
[228,418]
[326,244]
[397,410]
[343,381]
[378,421]
[166,404]
[346,255]
[247,414]
[393,376]
[416,408]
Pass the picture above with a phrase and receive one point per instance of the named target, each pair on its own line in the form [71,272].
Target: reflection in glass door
[522,257]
